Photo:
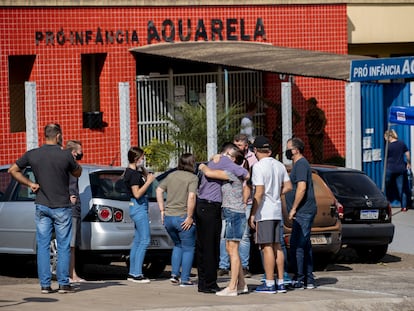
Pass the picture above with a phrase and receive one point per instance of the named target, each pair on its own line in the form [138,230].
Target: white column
[353,144]
[124,121]
[32,139]
[211,110]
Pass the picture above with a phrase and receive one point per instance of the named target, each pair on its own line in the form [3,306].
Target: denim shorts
[235,225]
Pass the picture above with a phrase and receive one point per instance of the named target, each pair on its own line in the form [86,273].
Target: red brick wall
[57,70]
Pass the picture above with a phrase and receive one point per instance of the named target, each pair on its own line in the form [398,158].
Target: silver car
[106,228]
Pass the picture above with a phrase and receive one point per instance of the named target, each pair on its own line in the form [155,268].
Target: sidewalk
[161,295]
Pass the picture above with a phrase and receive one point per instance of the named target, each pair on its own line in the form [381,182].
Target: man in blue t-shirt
[302,209]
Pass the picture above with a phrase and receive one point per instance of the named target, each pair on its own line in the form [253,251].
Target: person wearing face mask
[75,147]
[301,205]
[52,167]
[138,180]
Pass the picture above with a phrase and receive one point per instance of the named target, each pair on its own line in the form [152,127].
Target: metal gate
[159,95]
[376,99]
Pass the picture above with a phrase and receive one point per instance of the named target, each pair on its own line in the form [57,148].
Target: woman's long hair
[134,154]
[186,162]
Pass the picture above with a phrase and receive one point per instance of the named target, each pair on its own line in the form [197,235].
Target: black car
[366,212]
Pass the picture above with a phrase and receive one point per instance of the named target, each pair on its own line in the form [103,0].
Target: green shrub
[157,154]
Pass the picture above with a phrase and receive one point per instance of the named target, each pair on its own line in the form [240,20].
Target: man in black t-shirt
[51,167]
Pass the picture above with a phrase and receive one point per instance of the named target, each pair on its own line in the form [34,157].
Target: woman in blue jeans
[177,216]
[234,205]
[137,180]
[398,163]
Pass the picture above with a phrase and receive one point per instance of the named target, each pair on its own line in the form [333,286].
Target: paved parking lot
[346,285]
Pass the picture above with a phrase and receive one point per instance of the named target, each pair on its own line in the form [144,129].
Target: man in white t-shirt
[270,179]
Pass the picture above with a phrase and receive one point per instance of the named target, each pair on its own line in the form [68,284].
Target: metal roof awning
[258,56]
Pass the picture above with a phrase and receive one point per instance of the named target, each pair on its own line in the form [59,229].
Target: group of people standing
[237,191]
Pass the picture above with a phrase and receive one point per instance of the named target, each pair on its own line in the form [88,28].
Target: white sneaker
[227,292]
[243,290]
[310,286]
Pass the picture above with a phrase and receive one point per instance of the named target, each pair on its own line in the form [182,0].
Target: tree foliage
[188,127]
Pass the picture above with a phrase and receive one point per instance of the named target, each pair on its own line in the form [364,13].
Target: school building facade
[79,55]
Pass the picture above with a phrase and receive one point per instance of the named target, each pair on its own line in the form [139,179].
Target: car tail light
[118,215]
[339,209]
[389,211]
[104,213]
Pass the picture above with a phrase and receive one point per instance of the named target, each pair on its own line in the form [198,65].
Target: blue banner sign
[401,115]
[382,69]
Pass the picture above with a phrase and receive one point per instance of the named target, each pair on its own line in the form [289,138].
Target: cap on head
[261,142]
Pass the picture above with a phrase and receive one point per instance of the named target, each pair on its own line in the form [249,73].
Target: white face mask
[140,163]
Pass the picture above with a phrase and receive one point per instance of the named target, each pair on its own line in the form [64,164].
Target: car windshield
[351,184]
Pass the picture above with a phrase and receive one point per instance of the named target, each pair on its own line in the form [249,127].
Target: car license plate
[155,243]
[369,214]
[318,239]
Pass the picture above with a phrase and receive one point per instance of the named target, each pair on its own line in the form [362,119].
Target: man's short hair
[228,146]
[52,130]
[241,137]
[72,144]
[298,144]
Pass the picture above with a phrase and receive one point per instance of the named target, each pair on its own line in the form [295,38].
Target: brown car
[326,229]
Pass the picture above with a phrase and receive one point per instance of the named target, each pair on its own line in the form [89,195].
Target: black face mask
[79,156]
[289,154]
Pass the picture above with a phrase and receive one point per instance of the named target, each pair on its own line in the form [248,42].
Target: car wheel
[53,256]
[154,268]
[371,253]
[255,260]
[321,261]
[79,261]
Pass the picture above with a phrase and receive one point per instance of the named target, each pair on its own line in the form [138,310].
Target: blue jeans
[138,211]
[235,225]
[59,219]
[301,249]
[244,246]
[184,245]
[400,182]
